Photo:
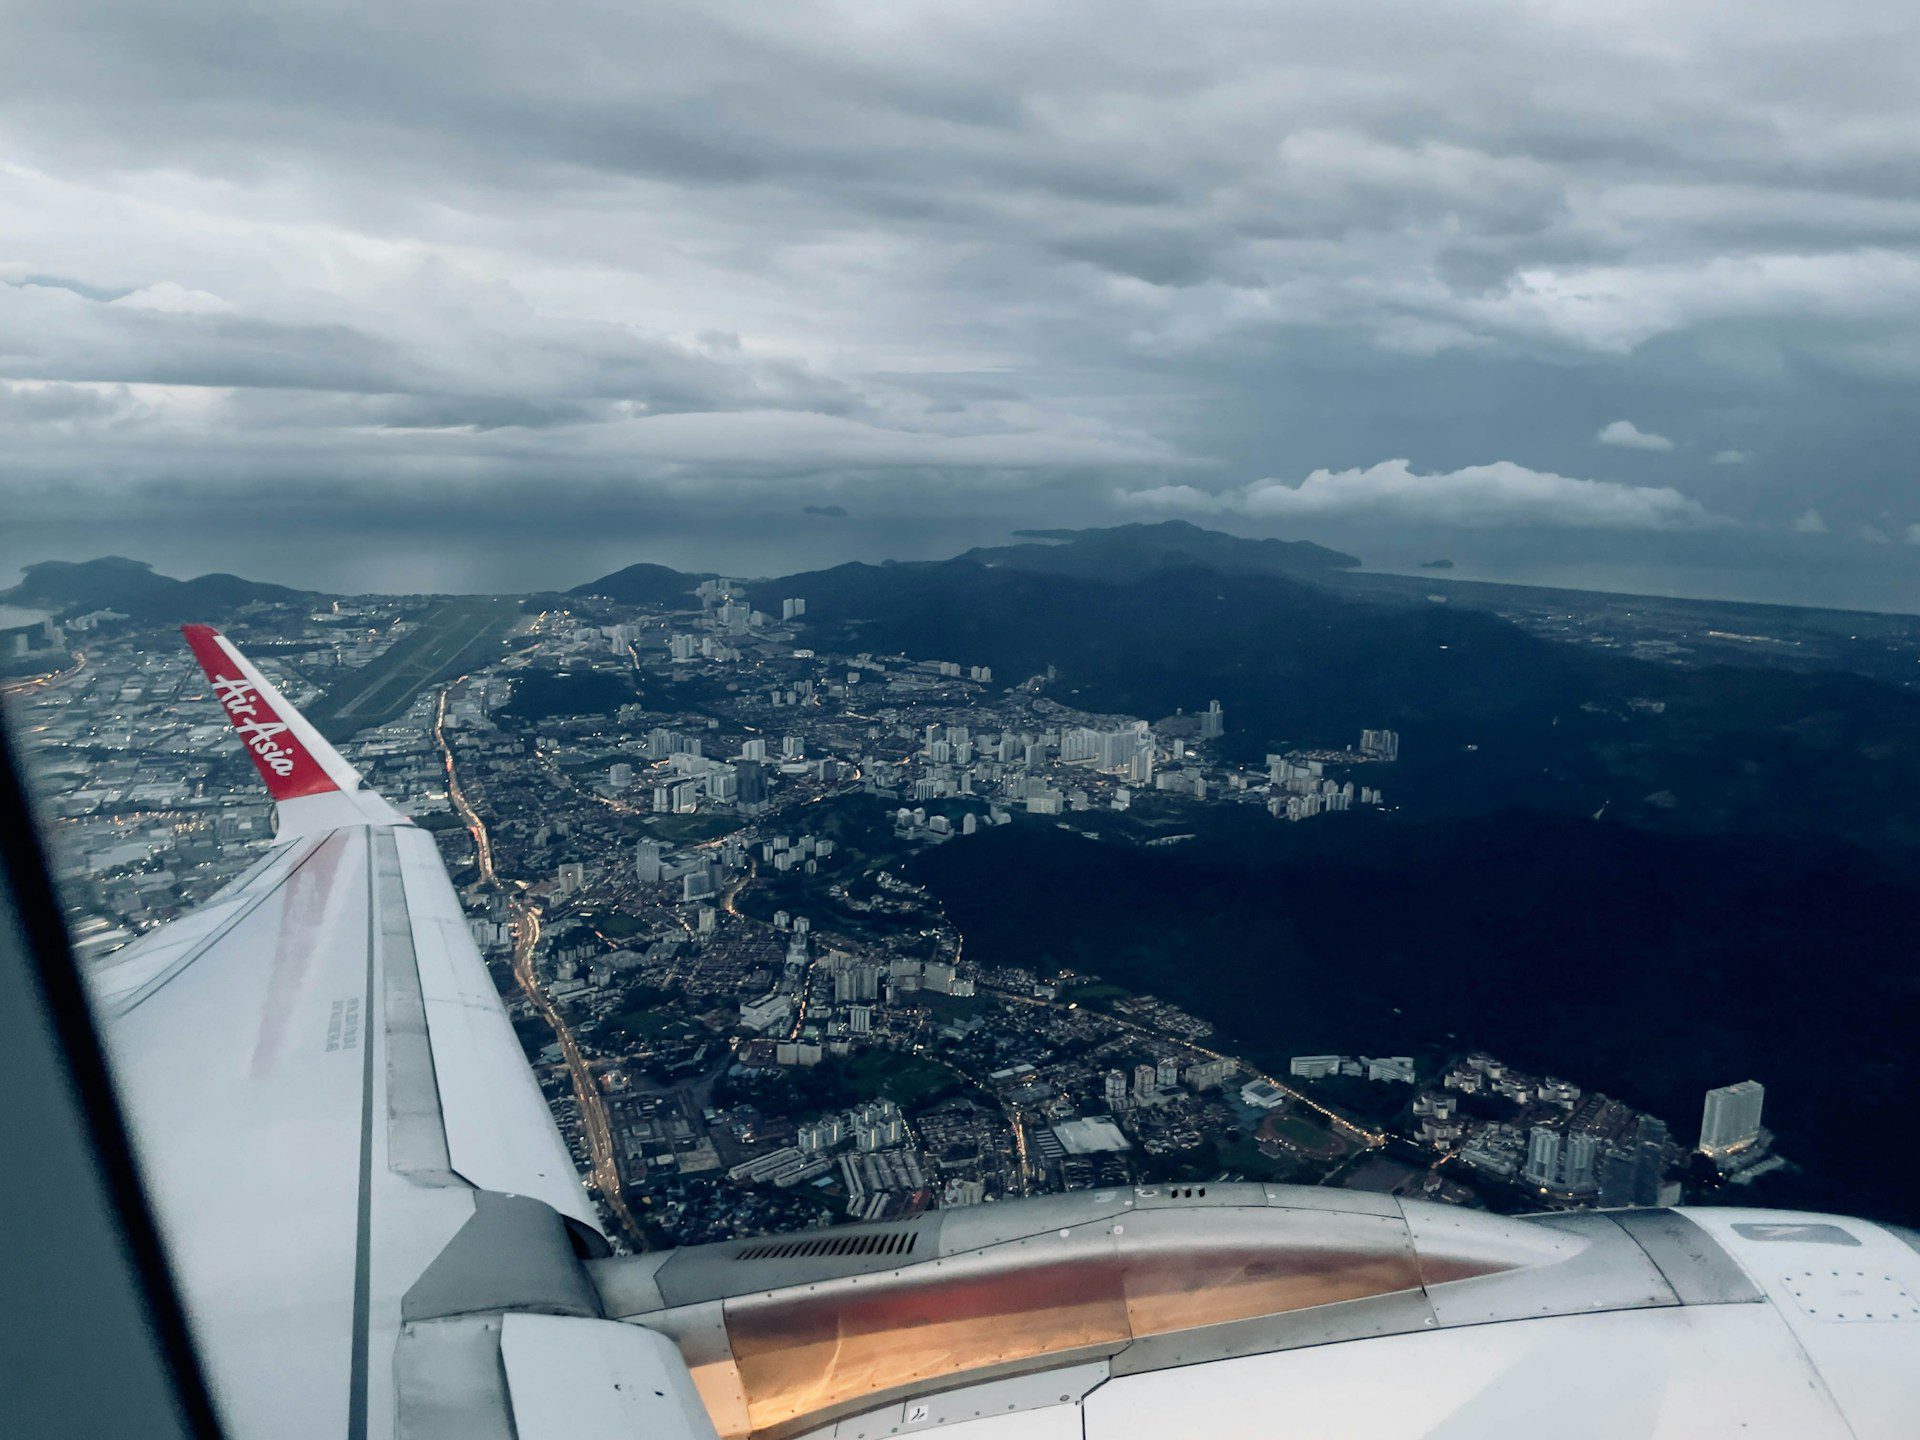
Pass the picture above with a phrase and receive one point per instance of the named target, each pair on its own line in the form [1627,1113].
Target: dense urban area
[685,841]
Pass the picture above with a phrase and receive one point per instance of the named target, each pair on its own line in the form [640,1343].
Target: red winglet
[284,762]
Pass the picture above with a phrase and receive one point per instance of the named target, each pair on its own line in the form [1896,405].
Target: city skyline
[701,910]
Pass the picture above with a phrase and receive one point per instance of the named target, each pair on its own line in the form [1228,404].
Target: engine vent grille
[895,1242]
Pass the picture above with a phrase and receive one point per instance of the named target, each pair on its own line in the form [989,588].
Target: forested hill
[644,584]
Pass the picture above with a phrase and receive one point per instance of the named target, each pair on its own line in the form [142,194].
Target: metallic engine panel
[1607,1271]
[1693,1263]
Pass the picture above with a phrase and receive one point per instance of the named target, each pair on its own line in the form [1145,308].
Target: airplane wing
[376,1232]
[345,1148]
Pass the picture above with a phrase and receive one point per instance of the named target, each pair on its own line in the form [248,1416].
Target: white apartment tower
[1730,1120]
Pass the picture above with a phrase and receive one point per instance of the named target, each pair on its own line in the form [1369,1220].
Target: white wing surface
[336,1125]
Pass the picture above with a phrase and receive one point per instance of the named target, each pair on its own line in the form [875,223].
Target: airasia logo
[255,722]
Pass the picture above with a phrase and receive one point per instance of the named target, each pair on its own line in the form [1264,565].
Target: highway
[37,682]
[1345,1125]
[526,943]
[593,1110]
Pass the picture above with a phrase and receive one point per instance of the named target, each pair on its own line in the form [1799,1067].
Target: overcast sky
[1534,285]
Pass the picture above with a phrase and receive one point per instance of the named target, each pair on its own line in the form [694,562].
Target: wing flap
[572,1377]
[500,1134]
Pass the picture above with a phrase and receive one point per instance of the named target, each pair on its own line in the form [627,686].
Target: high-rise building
[751,781]
[822,1134]
[1543,1156]
[1116,1087]
[1213,721]
[1577,1158]
[1140,766]
[677,798]
[1650,1141]
[1380,744]
[1567,1163]
[1617,1179]
[1145,1079]
[1207,1074]
[1730,1121]
[646,862]
[856,983]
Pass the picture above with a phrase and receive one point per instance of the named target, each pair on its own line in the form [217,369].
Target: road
[593,1110]
[1343,1124]
[526,942]
[37,682]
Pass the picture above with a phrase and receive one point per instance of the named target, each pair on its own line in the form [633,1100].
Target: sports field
[452,637]
[1301,1136]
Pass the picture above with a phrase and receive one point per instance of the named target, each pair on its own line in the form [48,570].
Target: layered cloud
[1474,497]
[924,250]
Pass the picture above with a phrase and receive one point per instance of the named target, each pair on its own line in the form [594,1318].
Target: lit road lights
[45,682]
[526,940]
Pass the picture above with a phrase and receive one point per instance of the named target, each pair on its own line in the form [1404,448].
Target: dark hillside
[133,588]
[1649,966]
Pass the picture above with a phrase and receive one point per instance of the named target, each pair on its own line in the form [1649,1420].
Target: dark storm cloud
[1221,258]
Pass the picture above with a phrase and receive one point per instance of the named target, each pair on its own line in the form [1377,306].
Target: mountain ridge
[134,587]
[1117,551]
[643,583]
